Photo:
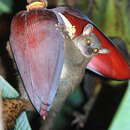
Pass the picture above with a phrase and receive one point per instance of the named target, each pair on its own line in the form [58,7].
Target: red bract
[38,48]
[113,64]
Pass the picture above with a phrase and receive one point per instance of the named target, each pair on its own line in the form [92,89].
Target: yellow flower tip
[36,5]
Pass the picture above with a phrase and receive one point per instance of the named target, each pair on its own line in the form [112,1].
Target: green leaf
[116,82]
[7,90]
[22,122]
[5,6]
[121,120]
[112,17]
[98,13]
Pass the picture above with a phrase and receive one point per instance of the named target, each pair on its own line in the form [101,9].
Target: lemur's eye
[88,42]
[95,50]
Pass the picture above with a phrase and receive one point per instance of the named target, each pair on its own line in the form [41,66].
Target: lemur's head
[88,43]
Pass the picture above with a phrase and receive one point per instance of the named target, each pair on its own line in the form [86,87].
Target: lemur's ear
[88,29]
[104,51]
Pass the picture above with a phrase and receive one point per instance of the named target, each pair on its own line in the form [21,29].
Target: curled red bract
[113,64]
